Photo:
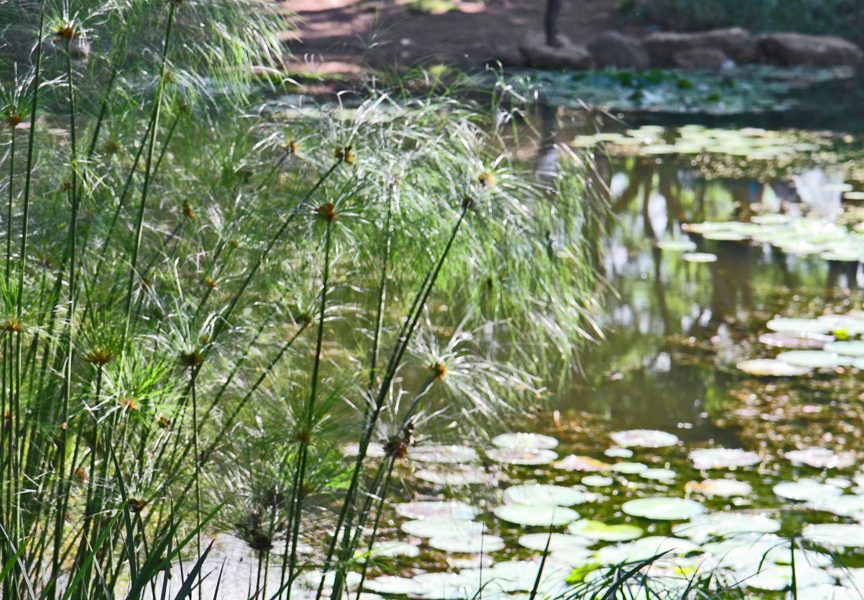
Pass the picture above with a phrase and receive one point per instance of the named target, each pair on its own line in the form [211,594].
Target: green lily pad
[811,359]
[536,515]
[597,481]
[699,257]
[597,530]
[666,475]
[443,454]
[663,509]
[644,438]
[525,440]
[427,528]
[533,494]
[433,509]
[558,542]
[676,245]
[467,543]
[805,490]
[846,348]
[723,458]
[522,456]
[821,458]
[726,524]
[839,535]
[771,367]
[798,326]
[719,488]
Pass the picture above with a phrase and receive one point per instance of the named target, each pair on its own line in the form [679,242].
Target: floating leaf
[811,359]
[427,528]
[586,464]
[597,530]
[821,458]
[699,257]
[644,438]
[467,543]
[522,456]
[840,535]
[525,440]
[442,454]
[805,490]
[663,509]
[558,542]
[770,367]
[543,494]
[432,509]
[719,488]
[536,515]
[722,458]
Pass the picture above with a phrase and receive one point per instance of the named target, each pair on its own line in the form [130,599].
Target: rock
[700,58]
[736,43]
[611,49]
[662,46]
[792,49]
[541,56]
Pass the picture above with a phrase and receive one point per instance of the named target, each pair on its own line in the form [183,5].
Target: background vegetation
[831,17]
[207,292]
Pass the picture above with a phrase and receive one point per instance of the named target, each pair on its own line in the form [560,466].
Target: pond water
[678,439]
[715,428]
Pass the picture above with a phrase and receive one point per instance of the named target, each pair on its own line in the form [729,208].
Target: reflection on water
[672,326]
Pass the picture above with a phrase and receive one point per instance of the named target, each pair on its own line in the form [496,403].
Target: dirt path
[344,36]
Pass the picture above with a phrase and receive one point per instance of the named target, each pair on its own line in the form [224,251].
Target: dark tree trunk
[550,22]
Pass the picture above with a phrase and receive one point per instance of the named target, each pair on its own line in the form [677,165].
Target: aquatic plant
[208,291]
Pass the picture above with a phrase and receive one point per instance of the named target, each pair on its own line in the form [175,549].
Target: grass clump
[206,293]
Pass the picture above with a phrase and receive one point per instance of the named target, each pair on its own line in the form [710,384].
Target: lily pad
[846,348]
[525,440]
[427,528]
[676,245]
[663,509]
[791,341]
[467,543]
[597,481]
[629,468]
[392,585]
[533,494]
[770,367]
[727,524]
[443,454]
[798,326]
[536,515]
[839,535]
[434,509]
[522,456]
[458,476]
[644,549]
[558,542]
[811,359]
[618,453]
[821,458]
[644,438]
[597,530]
[699,257]
[719,488]
[586,464]
[805,490]
[665,475]
[723,458]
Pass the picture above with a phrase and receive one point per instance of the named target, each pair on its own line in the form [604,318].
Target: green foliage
[833,17]
[206,294]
